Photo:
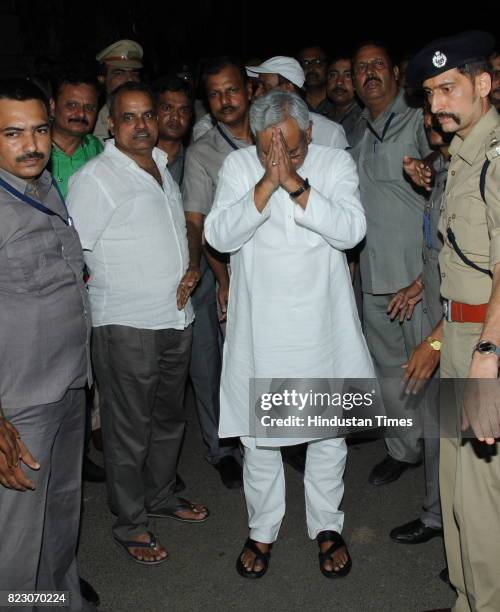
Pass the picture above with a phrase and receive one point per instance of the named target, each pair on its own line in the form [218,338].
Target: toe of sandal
[259,556]
[337,542]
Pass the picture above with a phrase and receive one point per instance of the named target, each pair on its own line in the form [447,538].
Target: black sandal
[127,544]
[337,543]
[259,556]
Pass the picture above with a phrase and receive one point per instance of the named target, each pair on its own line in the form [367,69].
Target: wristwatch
[434,343]
[300,190]
[485,347]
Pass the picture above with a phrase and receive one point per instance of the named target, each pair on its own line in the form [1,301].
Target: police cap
[126,54]
[446,53]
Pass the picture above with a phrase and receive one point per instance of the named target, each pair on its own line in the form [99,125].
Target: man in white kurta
[292,312]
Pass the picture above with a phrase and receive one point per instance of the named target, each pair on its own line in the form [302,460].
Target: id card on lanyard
[38,205]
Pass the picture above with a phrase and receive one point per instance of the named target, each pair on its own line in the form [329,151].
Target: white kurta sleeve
[339,139]
[234,218]
[336,212]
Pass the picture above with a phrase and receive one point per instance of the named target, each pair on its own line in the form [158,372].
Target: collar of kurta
[42,184]
[121,160]
[470,147]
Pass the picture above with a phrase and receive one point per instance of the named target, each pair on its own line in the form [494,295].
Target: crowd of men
[314,218]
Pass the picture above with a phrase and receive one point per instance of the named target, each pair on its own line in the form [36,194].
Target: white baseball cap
[287,67]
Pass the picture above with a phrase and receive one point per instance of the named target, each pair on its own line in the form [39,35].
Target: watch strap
[300,190]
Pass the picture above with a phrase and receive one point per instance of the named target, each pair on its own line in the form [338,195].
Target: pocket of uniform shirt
[388,160]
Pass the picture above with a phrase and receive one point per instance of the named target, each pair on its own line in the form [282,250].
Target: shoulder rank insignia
[493,149]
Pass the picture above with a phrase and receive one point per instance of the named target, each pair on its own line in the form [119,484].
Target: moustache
[443,115]
[28,156]
[371,78]
[174,125]
[78,120]
[339,89]
[228,109]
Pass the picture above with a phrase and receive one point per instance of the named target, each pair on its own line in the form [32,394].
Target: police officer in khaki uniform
[456,80]
[118,63]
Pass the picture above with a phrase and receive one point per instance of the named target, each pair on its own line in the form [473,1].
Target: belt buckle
[447,310]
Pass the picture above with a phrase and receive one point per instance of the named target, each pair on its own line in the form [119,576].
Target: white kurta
[291,312]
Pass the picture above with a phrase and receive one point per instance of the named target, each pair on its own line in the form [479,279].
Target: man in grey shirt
[44,366]
[424,360]
[228,95]
[391,258]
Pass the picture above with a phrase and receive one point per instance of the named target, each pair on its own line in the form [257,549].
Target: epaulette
[493,148]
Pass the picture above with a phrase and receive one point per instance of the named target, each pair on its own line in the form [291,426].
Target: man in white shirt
[128,212]
[286,211]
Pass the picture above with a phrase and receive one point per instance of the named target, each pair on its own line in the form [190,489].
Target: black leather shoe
[414,533]
[388,470]
[180,485]
[89,594]
[230,472]
[92,472]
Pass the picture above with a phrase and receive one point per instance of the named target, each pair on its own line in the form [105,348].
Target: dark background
[39,32]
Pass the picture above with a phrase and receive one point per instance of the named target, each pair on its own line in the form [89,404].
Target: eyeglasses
[376,64]
[312,62]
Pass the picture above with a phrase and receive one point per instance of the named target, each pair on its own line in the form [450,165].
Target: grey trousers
[391,344]
[206,364]
[142,377]
[431,511]
[39,529]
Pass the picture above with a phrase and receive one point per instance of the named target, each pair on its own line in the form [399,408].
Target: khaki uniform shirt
[392,255]
[476,224]
[101,125]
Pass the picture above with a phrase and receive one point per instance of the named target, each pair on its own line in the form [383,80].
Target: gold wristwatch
[434,343]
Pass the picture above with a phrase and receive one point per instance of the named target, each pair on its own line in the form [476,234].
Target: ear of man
[483,84]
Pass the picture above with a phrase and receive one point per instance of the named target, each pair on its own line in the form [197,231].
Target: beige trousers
[470,487]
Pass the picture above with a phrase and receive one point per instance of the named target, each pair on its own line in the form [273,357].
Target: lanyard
[427,227]
[226,138]
[384,131]
[38,205]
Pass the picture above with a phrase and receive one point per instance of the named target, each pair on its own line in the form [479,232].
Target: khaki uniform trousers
[470,487]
